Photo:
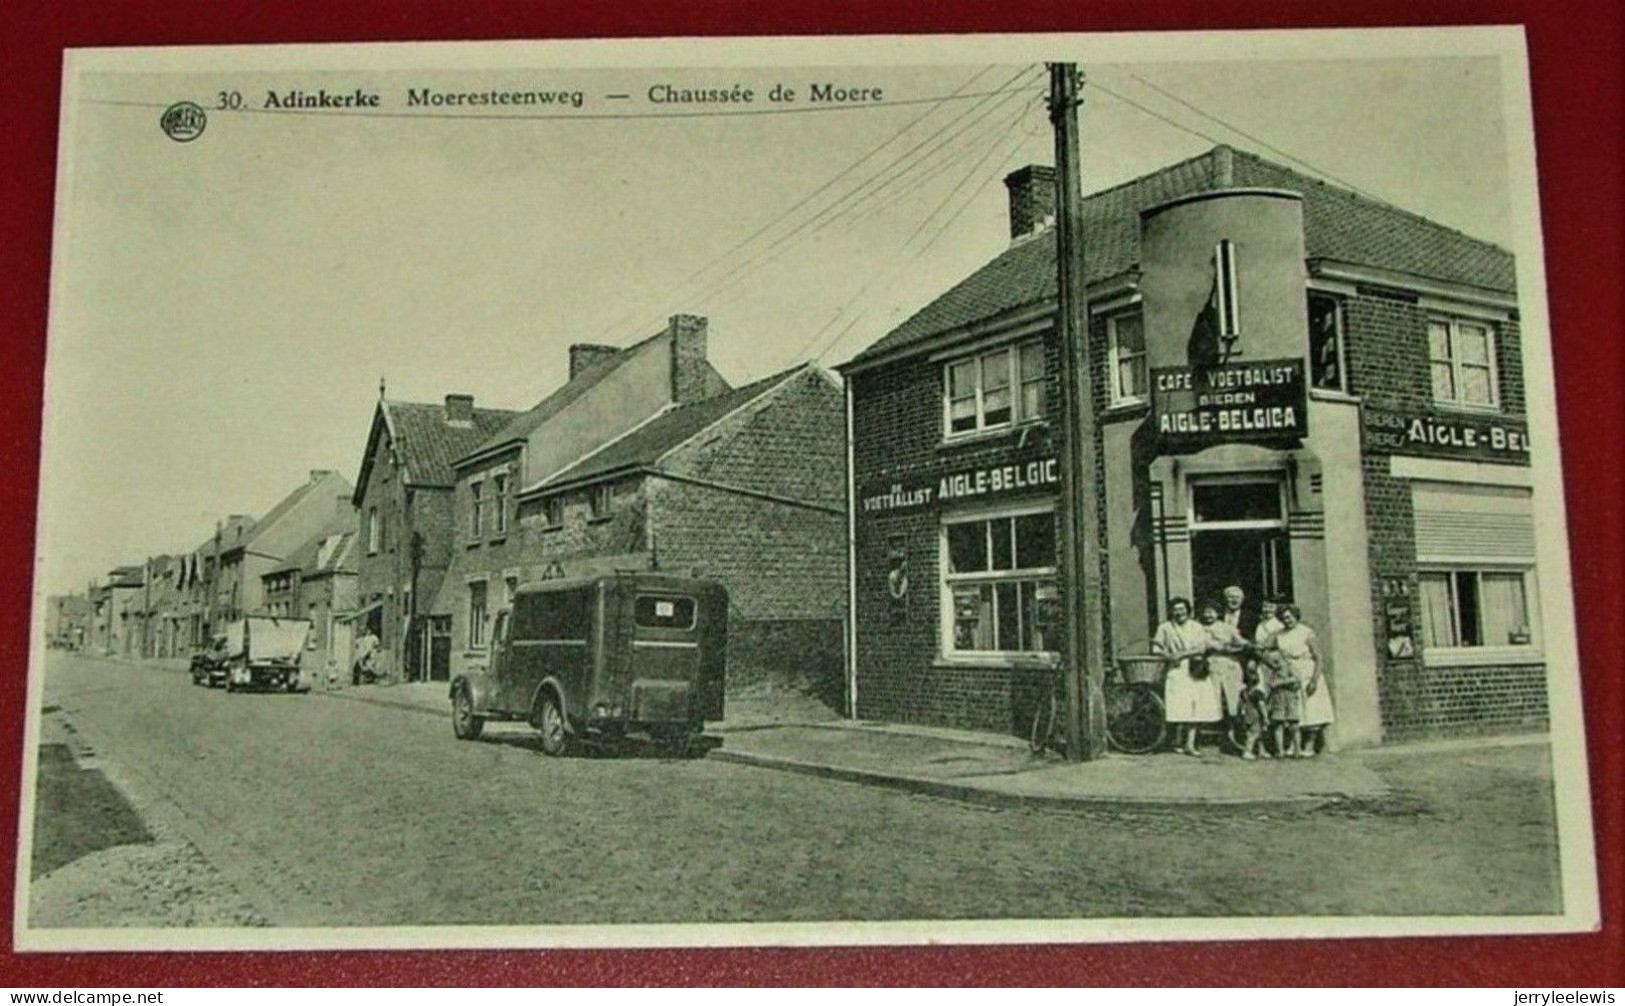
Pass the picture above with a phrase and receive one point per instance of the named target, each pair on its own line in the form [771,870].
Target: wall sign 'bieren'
[1258,400]
[1490,439]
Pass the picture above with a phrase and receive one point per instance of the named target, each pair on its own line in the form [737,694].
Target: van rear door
[665,655]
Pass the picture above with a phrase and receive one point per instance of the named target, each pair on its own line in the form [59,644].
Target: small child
[1255,717]
[1285,703]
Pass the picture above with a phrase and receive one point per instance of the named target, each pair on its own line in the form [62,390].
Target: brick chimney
[460,409]
[691,376]
[585,354]
[1032,198]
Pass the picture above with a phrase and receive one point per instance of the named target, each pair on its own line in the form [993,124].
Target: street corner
[1001,770]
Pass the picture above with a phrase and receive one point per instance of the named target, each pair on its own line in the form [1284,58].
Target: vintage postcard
[801,491]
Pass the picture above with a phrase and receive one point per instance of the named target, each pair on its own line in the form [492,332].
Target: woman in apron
[1190,697]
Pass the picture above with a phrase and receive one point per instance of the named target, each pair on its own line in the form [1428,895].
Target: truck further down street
[264,652]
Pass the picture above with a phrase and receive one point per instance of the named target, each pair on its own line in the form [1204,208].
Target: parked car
[264,652]
[209,666]
[600,658]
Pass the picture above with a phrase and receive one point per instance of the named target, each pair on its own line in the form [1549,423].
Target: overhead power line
[870,191]
[867,189]
[803,201]
[976,170]
[1307,166]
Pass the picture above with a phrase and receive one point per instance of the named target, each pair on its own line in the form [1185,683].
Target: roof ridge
[1374,201]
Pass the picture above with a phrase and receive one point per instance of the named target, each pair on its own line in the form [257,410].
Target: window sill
[499,539]
[1468,410]
[1127,407]
[984,437]
[1332,395]
[549,529]
[472,544]
[605,519]
[1002,661]
[1482,656]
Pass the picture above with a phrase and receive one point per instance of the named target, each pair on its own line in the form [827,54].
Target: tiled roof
[646,444]
[526,423]
[428,444]
[1337,224]
[523,424]
[234,530]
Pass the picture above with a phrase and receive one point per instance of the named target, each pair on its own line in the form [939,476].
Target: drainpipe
[851,563]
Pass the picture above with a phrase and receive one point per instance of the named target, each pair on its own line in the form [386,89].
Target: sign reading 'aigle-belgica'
[1257,400]
[928,489]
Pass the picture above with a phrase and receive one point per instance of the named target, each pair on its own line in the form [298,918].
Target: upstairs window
[1125,353]
[996,389]
[1327,369]
[553,511]
[478,611]
[374,531]
[600,501]
[1461,355]
[499,502]
[476,512]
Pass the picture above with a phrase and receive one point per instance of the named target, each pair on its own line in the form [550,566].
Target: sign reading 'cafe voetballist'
[1258,400]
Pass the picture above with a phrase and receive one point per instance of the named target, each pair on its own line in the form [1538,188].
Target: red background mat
[1575,55]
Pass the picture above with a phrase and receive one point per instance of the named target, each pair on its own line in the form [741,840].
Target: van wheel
[550,721]
[464,723]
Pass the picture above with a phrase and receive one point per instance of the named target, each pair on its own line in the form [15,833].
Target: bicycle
[1134,709]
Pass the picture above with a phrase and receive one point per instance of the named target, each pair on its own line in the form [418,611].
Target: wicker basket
[1141,669]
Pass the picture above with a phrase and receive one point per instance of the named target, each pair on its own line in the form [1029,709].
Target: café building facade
[1299,391]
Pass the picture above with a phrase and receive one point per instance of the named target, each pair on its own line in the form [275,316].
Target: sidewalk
[793,734]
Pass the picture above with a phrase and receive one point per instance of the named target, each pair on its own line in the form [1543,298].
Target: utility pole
[1080,568]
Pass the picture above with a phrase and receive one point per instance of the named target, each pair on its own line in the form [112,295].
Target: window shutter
[1469,522]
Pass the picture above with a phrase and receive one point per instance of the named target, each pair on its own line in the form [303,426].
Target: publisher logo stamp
[183,121]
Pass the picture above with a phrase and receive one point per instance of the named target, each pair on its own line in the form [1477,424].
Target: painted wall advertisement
[1470,438]
[927,490]
[1196,406]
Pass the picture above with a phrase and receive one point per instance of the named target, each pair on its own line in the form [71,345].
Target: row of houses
[646,457]
[1297,389]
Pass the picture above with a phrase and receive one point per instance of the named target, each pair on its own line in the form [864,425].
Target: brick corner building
[1301,391]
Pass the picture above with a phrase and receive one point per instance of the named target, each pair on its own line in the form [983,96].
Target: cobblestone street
[322,812]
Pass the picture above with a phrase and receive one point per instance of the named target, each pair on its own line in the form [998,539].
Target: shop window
[999,584]
[476,510]
[499,503]
[1466,609]
[478,612]
[1461,357]
[996,389]
[1125,352]
[1327,368]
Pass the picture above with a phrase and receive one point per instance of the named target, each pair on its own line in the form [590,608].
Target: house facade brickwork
[1298,391]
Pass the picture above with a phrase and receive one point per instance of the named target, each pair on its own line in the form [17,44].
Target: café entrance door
[1239,537]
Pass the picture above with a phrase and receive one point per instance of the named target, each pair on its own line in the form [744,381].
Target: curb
[371,700]
[995,798]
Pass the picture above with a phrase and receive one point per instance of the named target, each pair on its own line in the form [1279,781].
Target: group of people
[1253,678]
